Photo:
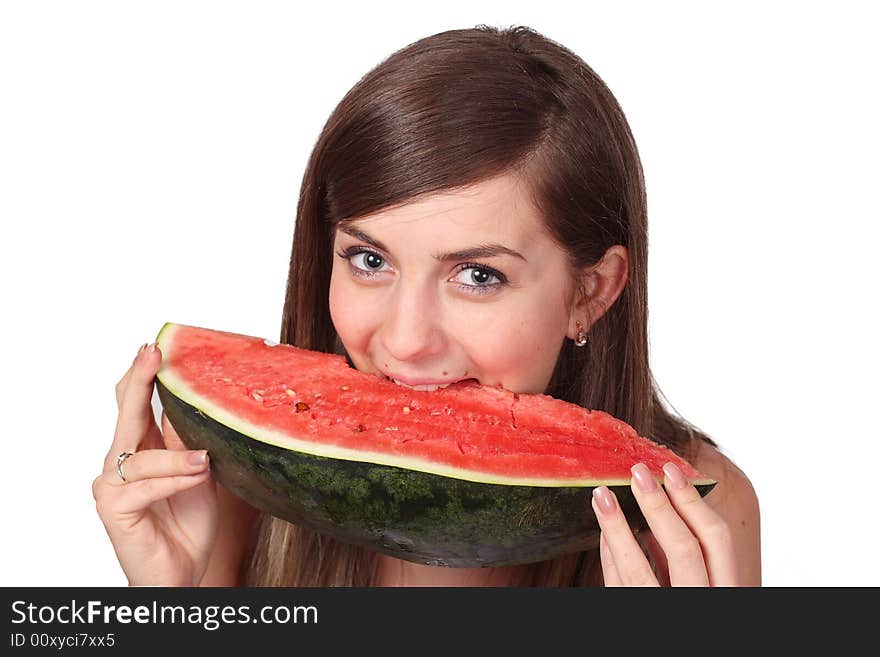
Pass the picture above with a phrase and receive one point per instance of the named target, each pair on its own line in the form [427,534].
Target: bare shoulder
[735,500]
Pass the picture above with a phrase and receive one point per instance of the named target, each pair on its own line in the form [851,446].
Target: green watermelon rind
[410,510]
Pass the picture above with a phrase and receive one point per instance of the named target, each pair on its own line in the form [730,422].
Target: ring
[119,461]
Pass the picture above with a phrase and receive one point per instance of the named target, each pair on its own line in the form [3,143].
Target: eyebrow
[478,251]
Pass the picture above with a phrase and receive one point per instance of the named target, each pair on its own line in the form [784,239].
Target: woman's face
[403,309]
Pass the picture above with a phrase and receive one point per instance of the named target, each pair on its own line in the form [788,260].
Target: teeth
[428,387]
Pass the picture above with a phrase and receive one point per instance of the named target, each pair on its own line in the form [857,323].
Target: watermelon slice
[463,476]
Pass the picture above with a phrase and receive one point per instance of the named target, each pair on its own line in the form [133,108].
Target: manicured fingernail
[675,476]
[604,500]
[197,458]
[140,354]
[152,348]
[644,479]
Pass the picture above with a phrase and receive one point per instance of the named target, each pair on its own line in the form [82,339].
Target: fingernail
[152,348]
[197,458]
[604,500]
[644,479]
[675,476]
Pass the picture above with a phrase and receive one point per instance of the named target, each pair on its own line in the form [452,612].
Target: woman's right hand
[163,519]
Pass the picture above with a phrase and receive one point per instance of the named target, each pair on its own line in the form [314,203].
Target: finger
[139,495]
[682,548]
[136,421]
[629,560]
[151,463]
[609,570]
[709,527]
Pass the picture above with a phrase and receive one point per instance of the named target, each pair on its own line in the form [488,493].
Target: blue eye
[374,261]
[479,272]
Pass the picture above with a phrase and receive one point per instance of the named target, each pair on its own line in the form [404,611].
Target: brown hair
[451,110]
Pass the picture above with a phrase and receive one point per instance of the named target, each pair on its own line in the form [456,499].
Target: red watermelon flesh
[315,403]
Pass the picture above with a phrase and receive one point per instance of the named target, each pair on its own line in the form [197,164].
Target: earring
[581,336]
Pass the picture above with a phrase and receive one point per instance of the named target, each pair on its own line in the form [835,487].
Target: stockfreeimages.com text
[211,617]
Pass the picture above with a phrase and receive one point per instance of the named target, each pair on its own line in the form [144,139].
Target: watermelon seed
[405,410]
[360,428]
[390,428]
[436,412]
[257,396]
[301,406]
[225,379]
[290,392]
[343,388]
[317,394]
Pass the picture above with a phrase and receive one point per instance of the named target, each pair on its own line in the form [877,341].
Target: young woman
[473,208]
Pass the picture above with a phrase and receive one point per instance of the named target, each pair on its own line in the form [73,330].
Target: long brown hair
[447,111]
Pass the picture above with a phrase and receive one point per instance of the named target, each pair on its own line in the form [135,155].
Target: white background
[150,161]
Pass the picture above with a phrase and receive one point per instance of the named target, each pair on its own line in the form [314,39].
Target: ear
[602,284]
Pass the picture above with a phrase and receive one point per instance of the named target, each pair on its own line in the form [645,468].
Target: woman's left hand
[694,539]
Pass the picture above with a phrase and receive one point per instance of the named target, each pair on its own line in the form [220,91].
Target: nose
[413,328]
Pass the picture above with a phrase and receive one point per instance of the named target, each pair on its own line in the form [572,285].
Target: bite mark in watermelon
[461,476]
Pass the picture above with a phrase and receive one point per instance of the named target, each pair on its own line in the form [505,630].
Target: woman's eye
[370,261]
[363,262]
[475,276]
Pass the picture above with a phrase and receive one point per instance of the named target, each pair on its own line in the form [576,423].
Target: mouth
[430,387]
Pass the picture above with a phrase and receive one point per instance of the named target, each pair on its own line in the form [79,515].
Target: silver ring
[119,461]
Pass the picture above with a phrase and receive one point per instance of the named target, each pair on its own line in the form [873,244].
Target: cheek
[516,346]
[348,311]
